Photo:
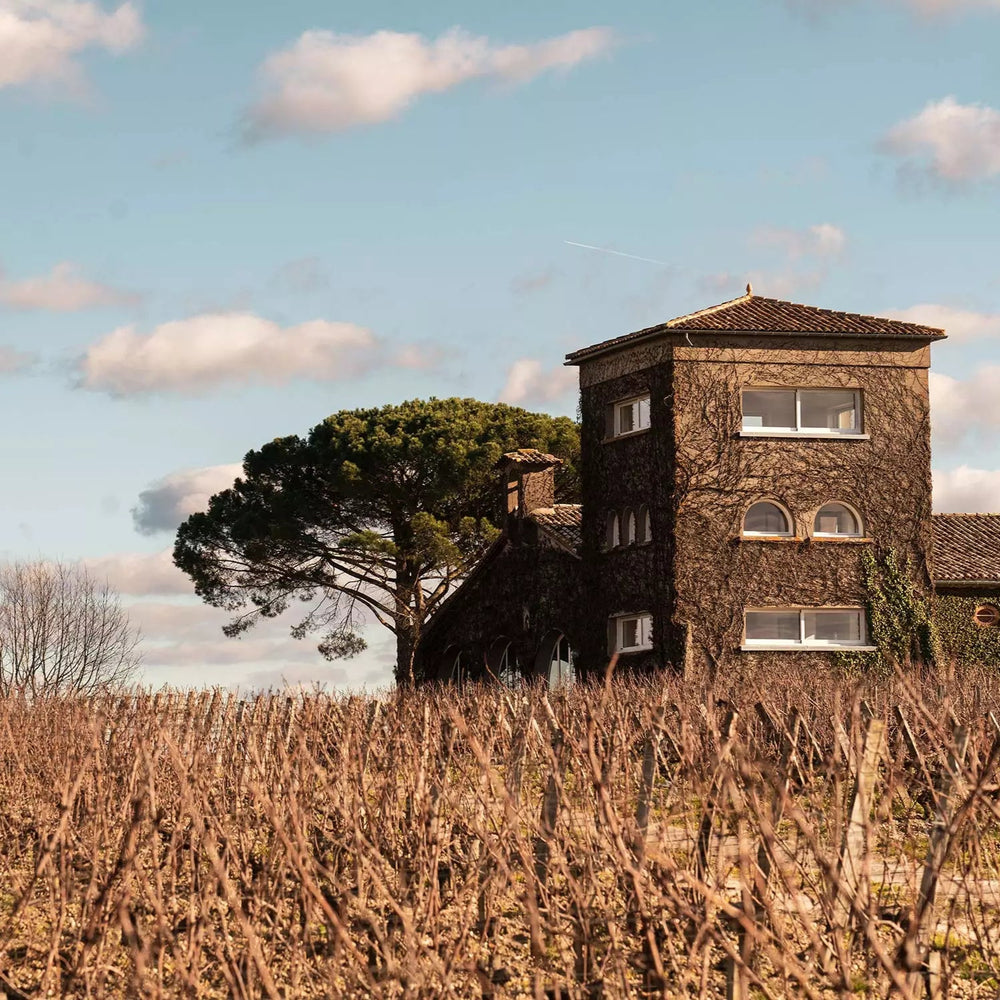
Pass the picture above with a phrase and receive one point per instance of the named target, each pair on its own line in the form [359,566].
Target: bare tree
[61,632]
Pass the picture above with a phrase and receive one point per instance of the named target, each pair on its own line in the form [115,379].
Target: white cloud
[13,361]
[63,289]
[960,409]
[959,324]
[168,501]
[140,574]
[966,491]
[960,141]
[528,382]
[39,39]
[326,82]
[194,355]
[821,241]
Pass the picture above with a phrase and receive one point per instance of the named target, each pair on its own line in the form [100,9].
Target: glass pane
[630,632]
[773,408]
[561,665]
[646,630]
[643,407]
[828,409]
[772,626]
[630,528]
[833,626]
[642,526]
[836,519]
[509,670]
[766,519]
[626,418]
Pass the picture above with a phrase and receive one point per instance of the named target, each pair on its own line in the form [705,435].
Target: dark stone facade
[526,593]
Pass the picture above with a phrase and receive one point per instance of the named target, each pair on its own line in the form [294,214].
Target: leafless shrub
[61,632]
[634,838]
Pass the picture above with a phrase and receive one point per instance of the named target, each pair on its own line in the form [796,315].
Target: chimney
[530,476]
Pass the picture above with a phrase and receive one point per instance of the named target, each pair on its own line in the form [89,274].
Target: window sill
[842,539]
[804,647]
[802,435]
[627,434]
[634,649]
[798,539]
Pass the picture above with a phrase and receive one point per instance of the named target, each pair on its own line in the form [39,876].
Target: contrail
[617,253]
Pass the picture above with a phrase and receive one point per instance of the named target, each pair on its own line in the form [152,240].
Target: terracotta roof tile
[757,314]
[562,521]
[966,547]
[529,456]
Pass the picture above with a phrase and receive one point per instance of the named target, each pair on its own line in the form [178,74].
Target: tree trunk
[407,637]
[408,624]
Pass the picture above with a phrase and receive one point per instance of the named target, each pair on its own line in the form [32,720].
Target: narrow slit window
[612,531]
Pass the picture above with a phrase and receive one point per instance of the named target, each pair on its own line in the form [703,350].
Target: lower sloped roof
[561,521]
[966,547]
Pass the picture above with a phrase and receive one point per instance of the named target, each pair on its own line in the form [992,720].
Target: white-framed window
[644,526]
[633,632]
[837,520]
[805,628]
[815,412]
[767,519]
[561,667]
[628,416]
[631,536]
[612,531]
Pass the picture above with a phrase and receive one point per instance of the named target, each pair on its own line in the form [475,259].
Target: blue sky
[220,222]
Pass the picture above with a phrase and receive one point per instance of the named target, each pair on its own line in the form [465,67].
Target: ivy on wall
[961,639]
[900,622]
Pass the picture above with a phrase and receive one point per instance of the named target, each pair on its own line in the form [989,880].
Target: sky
[221,222]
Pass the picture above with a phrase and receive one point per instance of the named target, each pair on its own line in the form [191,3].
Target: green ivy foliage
[960,637]
[900,624]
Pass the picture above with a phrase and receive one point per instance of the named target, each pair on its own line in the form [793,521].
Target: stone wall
[526,591]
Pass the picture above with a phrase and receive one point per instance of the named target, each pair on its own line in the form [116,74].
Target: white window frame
[645,632]
[798,430]
[860,533]
[801,644]
[638,412]
[789,521]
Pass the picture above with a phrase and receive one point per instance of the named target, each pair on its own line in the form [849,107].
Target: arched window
[644,527]
[612,531]
[767,518]
[630,526]
[461,667]
[561,669]
[837,520]
[503,663]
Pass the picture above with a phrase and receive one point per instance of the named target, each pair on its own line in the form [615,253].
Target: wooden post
[852,855]
[550,807]
[644,803]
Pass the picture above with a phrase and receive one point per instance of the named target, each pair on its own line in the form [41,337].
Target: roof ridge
[728,304]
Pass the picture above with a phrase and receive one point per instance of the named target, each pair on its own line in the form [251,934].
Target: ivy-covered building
[743,468]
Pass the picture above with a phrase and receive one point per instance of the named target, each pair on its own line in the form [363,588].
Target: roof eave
[995,582]
[640,336]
